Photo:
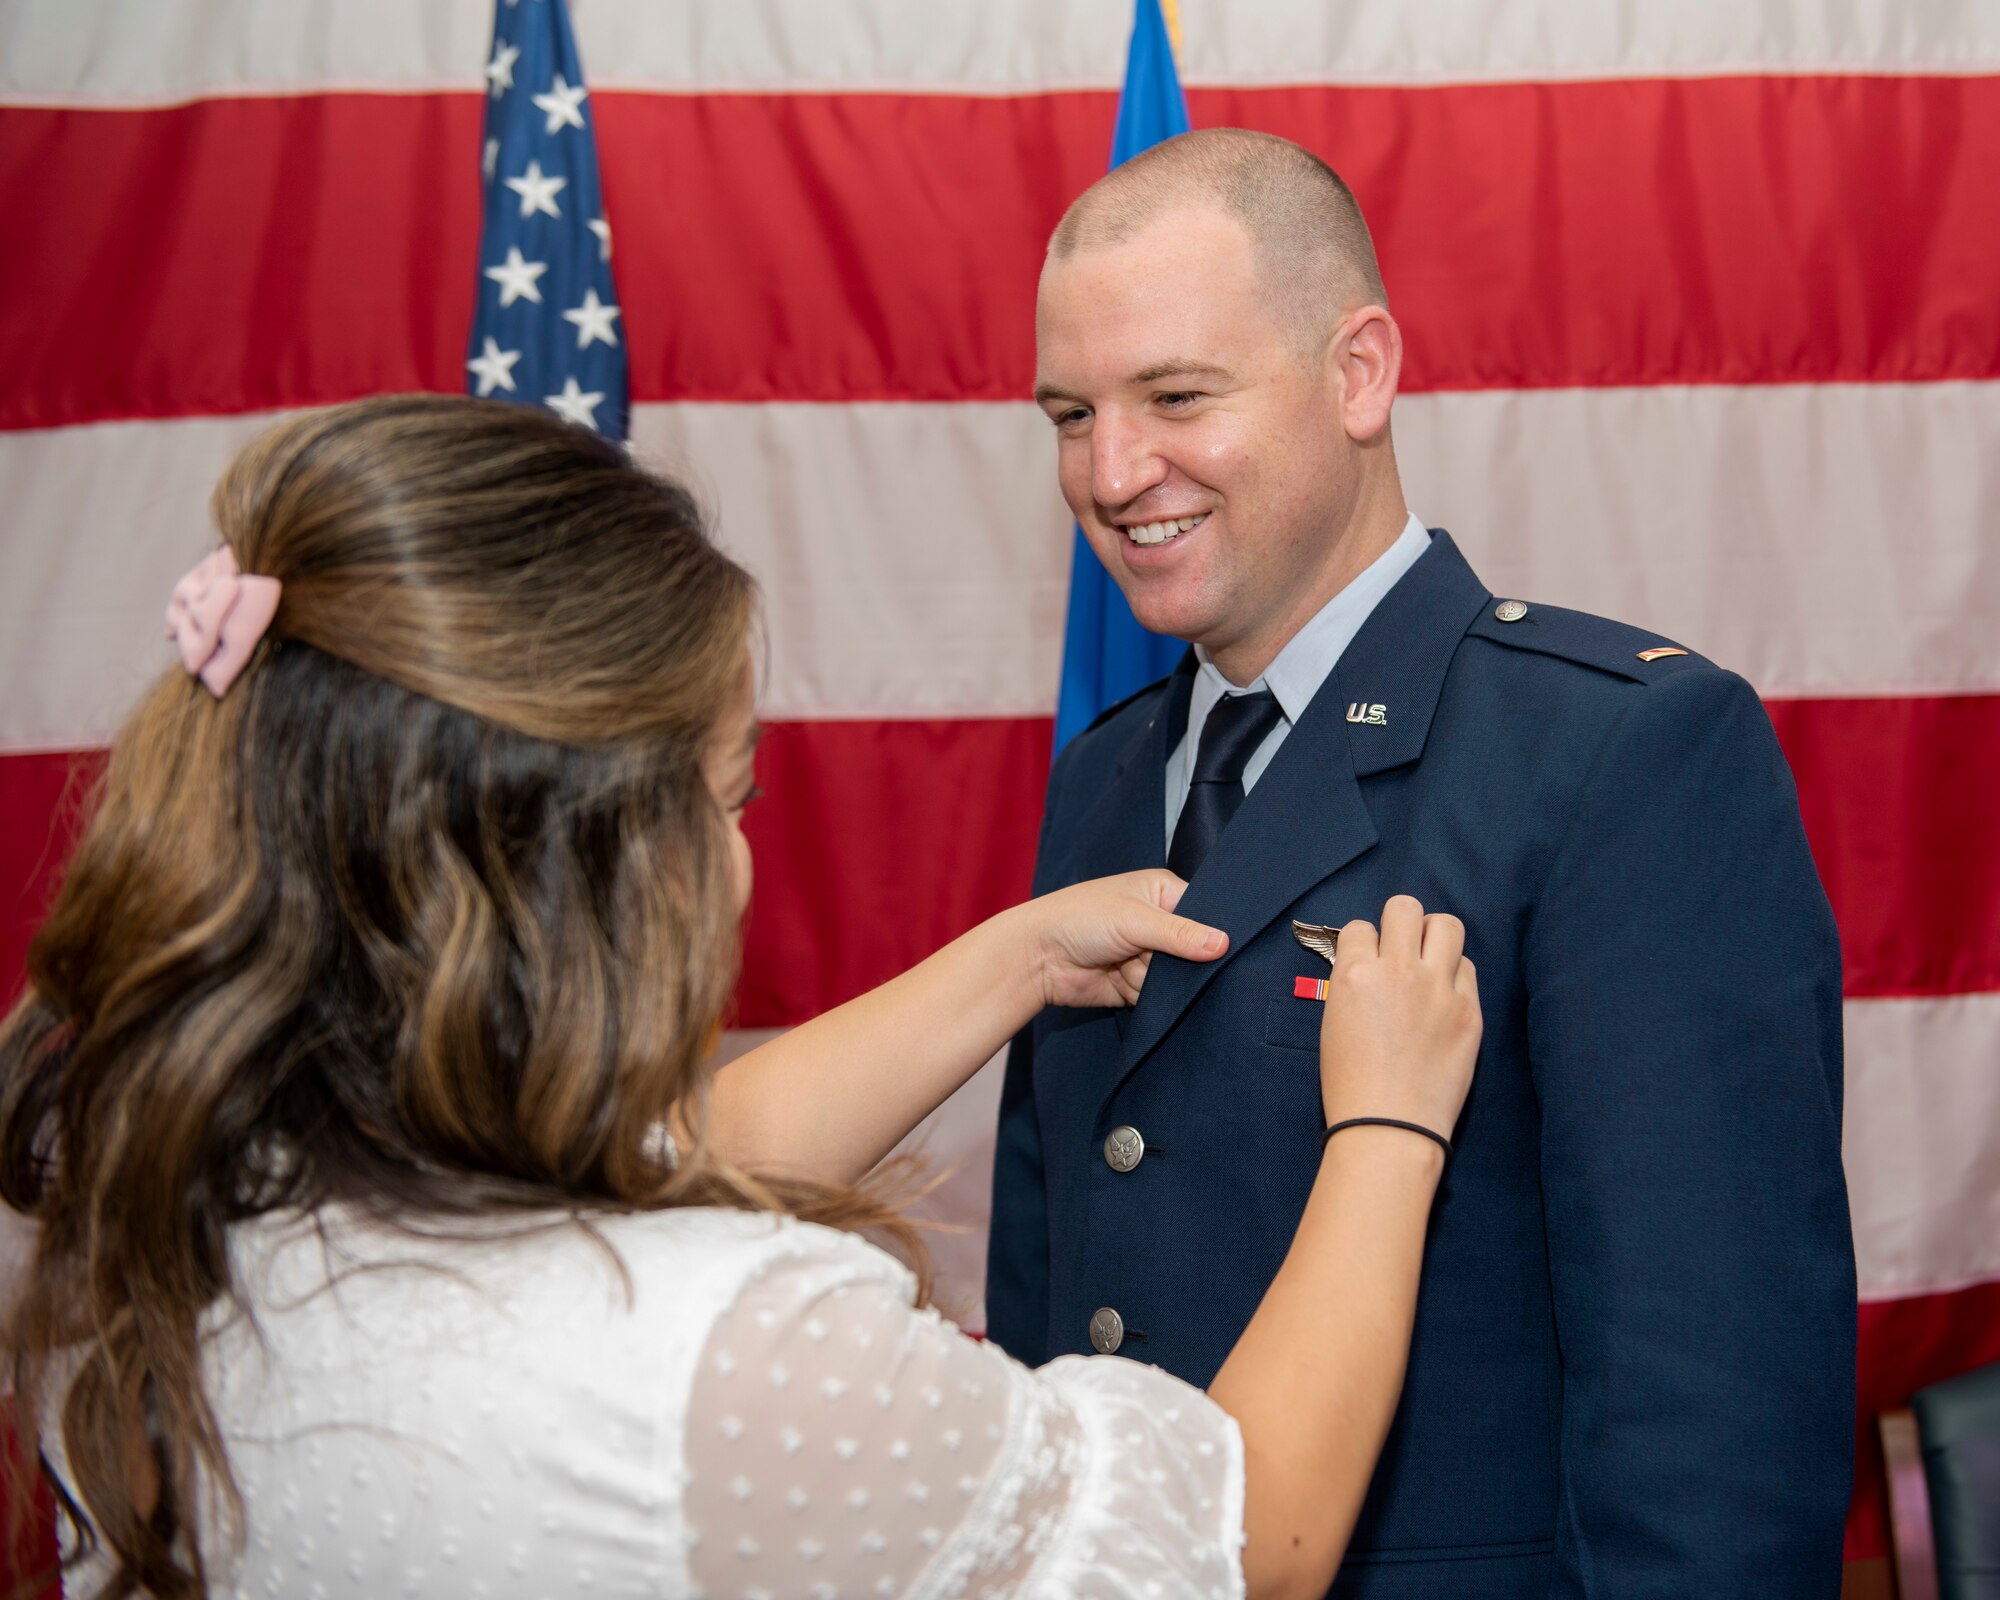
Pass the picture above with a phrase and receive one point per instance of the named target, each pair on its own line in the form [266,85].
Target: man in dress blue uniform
[1633,1364]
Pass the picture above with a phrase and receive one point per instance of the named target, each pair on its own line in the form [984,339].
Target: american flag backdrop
[1702,303]
[545,313]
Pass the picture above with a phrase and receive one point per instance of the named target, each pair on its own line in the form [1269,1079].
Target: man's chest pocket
[1292,1023]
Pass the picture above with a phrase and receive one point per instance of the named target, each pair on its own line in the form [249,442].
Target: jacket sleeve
[1683,980]
[1017,1240]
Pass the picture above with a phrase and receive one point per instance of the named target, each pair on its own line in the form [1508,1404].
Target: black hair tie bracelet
[1436,1138]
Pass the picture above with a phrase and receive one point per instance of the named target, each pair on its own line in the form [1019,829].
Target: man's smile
[1162,530]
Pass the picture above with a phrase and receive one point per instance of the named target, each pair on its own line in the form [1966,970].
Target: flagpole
[1106,654]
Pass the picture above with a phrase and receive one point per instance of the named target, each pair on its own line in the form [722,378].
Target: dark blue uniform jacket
[1633,1370]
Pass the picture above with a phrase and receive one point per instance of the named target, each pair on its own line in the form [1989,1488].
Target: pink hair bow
[217,615]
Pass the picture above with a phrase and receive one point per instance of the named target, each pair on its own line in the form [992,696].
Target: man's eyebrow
[1180,369]
[1177,368]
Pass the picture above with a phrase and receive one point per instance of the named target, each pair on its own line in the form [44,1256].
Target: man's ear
[1367,354]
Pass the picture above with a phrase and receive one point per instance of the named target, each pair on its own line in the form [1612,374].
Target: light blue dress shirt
[1299,670]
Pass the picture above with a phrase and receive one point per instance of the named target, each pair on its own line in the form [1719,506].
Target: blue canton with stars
[546,331]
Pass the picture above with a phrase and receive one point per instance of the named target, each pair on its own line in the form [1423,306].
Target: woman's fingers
[1444,939]
[1157,928]
[1358,942]
[1403,927]
[1408,931]
[1400,1034]
[1091,943]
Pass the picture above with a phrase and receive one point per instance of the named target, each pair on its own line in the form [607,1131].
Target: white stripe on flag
[1923,1165]
[1822,540]
[157,52]
[914,556]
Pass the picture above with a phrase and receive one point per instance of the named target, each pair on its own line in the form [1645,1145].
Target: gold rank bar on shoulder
[1662,653]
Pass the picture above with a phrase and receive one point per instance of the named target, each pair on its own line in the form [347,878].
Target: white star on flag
[493,367]
[573,405]
[500,70]
[593,320]
[537,191]
[563,104]
[517,277]
[542,210]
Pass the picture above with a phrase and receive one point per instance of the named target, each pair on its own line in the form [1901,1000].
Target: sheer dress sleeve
[842,1445]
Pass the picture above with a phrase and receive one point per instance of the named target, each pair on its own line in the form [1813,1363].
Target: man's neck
[1243,661]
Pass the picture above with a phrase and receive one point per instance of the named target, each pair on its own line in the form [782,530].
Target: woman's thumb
[1190,940]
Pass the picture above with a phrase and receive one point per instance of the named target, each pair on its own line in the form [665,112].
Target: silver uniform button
[1124,1149]
[1107,1331]
[1511,611]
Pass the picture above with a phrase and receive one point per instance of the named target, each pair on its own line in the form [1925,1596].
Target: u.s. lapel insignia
[1660,654]
[1368,716]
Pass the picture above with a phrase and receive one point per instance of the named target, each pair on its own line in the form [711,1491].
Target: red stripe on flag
[1905,1345]
[300,249]
[1898,799]
[28,1546]
[876,843]
[236,255]
[879,841]
[42,799]
[1670,231]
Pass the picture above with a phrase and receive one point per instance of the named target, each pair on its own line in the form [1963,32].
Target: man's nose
[1123,462]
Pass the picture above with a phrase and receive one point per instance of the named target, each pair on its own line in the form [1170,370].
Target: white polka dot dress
[687,1403]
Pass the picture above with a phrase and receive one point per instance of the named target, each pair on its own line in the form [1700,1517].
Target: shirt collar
[1311,654]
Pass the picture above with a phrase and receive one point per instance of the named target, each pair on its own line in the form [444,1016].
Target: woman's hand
[829,1099]
[1090,945]
[1402,1023]
[1314,1379]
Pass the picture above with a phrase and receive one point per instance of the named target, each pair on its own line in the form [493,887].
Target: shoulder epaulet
[1591,641]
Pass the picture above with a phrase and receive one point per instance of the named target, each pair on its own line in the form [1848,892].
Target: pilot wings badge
[1318,939]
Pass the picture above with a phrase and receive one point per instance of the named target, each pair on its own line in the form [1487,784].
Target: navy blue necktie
[1237,725]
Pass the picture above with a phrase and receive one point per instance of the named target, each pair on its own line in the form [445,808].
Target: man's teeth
[1161,532]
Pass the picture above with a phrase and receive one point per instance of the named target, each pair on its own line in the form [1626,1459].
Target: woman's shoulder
[744,1244]
[678,1261]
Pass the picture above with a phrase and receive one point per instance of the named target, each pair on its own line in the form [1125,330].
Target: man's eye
[1069,418]
[1179,399]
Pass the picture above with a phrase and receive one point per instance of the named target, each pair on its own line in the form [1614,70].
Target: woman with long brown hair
[395,1235]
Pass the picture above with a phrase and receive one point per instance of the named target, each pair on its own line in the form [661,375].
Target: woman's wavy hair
[430,914]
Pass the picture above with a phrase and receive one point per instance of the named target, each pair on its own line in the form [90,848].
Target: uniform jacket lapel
[1123,827]
[1307,818]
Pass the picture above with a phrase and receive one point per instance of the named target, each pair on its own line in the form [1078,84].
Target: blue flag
[545,331]
[1106,654]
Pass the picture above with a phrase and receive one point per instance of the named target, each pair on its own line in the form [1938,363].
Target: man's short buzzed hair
[1312,243]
